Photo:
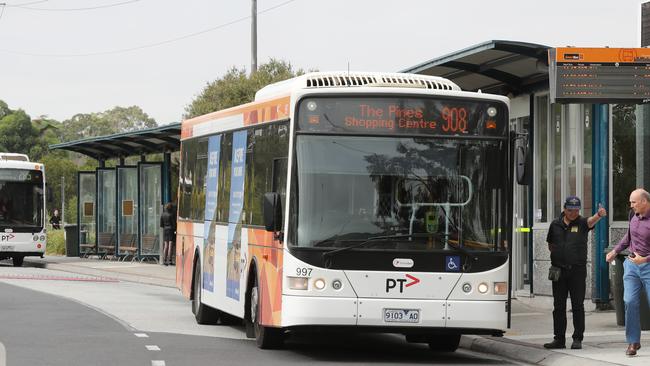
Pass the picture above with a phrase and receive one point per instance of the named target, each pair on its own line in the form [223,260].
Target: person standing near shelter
[168,223]
[55,220]
[567,240]
[636,269]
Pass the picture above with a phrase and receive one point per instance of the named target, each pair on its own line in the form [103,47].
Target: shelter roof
[498,67]
[147,141]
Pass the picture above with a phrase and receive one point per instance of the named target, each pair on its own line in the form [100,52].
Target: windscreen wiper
[327,256]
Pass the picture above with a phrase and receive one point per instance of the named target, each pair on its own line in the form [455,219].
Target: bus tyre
[203,313]
[227,319]
[266,337]
[18,261]
[446,343]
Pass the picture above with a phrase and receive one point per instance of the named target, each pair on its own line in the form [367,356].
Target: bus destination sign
[404,116]
[599,75]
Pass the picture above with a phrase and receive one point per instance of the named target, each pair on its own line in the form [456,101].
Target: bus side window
[280,178]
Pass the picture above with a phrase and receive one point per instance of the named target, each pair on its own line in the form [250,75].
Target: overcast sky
[62,57]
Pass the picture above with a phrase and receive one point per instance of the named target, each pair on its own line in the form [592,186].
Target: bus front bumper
[12,249]
[474,316]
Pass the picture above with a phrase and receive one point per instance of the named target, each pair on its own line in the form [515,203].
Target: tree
[55,168]
[4,109]
[128,119]
[235,87]
[85,125]
[19,136]
[116,120]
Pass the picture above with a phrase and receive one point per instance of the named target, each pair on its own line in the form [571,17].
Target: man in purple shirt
[636,267]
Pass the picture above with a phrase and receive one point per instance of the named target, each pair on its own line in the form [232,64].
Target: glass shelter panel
[624,158]
[127,206]
[106,227]
[150,208]
[86,182]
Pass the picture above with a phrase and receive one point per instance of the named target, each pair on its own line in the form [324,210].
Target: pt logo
[392,283]
[6,237]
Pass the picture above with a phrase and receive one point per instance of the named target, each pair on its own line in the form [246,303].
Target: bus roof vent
[343,79]
[13,157]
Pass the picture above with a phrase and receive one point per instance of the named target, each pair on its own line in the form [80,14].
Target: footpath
[531,327]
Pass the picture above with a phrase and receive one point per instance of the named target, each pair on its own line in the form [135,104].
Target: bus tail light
[500,288]
[298,283]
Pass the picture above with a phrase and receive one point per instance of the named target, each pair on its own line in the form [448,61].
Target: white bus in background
[366,202]
[22,208]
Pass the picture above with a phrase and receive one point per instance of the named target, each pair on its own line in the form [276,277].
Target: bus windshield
[431,192]
[21,200]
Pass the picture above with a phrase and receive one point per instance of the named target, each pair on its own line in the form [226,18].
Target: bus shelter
[119,207]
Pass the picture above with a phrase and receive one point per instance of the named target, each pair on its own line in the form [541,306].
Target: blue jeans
[635,279]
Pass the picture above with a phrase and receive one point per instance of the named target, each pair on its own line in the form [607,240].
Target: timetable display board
[599,75]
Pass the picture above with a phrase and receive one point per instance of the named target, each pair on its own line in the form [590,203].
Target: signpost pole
[600,186]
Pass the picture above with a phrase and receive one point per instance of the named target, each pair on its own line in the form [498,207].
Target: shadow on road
[391,348]
[32,264]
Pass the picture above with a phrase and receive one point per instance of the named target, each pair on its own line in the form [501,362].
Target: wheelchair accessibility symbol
[452,263]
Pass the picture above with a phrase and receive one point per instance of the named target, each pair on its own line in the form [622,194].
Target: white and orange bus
[22,208]
[356,201]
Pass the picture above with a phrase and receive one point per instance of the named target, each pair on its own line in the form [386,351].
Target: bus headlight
[35,238]
[500,288]
[483,287]
[319,284]
[298,283]
[42,237]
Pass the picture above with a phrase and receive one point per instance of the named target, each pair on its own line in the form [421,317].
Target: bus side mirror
[522,170]
[272,212]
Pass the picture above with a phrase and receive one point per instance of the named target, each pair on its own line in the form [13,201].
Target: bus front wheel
[18,261]
[203,313]
[266,337]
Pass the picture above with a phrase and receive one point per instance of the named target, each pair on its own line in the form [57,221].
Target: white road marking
[141,335]
[153,348]
[157,362]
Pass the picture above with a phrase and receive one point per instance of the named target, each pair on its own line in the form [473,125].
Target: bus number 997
[303,272]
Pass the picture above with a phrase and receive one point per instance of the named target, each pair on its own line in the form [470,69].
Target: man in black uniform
[567,241]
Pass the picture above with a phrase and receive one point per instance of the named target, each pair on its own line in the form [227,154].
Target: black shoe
[166,264]
[576,344]
[555,344]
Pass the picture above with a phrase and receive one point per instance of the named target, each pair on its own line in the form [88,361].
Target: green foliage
[116,120]
[19,136]
[236,87]
[4,109]
[55,242]
[71,209]
[55,168]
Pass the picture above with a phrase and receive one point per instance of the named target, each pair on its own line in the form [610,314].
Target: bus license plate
[6,248]
[402,315]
